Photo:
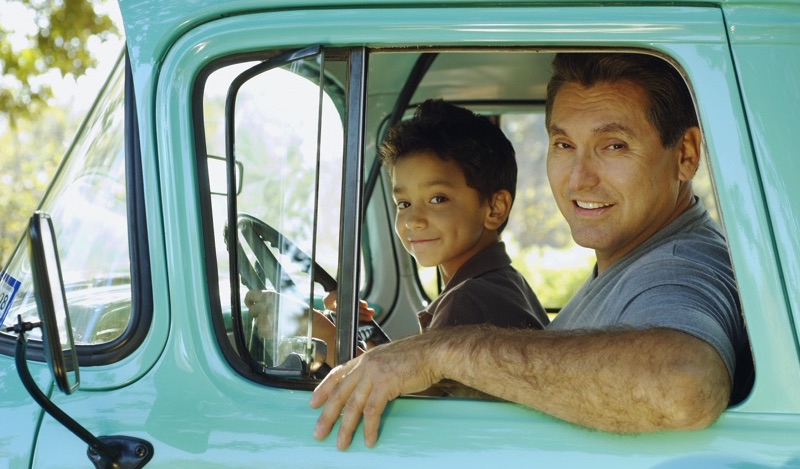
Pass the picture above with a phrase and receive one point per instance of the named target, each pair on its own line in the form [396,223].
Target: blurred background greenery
[54,56]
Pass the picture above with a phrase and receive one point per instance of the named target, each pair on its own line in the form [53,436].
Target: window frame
[385,29]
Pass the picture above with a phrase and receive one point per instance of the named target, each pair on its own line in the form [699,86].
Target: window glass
[87,203]
[285,191]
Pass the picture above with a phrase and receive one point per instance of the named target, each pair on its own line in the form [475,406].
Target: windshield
[87,203]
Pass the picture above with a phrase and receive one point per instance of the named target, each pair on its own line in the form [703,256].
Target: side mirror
[59,346]
[118,451]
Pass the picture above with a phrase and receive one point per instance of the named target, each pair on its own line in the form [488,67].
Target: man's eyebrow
[613,127]
[555,130]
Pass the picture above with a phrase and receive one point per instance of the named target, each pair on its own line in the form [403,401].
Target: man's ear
[688,153]
[499,207]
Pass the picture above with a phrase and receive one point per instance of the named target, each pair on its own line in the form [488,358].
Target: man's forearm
[621,381]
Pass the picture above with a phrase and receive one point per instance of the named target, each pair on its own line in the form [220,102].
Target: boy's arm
[620,381]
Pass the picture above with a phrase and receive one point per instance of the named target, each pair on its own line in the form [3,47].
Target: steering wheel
[259,237]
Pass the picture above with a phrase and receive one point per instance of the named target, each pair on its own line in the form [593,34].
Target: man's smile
[591,205]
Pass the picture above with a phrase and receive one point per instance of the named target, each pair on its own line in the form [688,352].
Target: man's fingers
[353,410]
[373,411]
[324,388]
[334,391]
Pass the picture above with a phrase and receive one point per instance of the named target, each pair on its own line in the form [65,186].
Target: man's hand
[364,385]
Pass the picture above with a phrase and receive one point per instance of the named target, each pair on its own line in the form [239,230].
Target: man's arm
[621,381]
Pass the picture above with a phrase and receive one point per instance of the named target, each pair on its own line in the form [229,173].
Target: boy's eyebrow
[435,182]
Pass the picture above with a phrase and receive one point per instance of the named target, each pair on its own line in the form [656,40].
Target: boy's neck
[447,272]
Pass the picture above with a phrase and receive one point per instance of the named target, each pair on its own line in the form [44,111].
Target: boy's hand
[264,305]
[365,313]
[261,305]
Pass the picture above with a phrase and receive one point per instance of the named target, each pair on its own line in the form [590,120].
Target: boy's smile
[440,220]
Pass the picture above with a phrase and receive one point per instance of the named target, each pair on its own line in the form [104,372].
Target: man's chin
[588,238]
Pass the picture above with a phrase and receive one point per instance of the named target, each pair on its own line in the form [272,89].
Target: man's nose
[583,173]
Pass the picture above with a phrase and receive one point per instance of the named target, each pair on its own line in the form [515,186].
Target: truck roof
[151,26]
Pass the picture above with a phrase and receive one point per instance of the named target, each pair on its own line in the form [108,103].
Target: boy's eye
[438,199]
[402,204]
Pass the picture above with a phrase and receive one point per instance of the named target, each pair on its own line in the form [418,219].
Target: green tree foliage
[30,155]
[63,28]
[33,133]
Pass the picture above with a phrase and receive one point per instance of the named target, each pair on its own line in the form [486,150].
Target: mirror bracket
[121,452]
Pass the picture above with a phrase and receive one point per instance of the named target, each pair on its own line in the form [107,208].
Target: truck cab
[234,147]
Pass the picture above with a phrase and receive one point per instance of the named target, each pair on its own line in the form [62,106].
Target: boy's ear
[499,207]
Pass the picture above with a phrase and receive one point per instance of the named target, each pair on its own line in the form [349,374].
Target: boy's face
[440,220]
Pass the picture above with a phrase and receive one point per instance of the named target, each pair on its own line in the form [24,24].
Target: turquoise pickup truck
[234,147]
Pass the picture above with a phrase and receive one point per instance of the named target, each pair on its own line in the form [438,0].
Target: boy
[454,177]
[453,181]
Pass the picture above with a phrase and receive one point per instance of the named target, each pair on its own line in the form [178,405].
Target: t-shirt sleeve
[685,296]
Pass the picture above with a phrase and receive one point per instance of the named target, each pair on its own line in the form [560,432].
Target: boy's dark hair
[456,134]
[669,105]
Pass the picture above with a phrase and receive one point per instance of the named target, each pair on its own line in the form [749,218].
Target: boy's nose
[415,218]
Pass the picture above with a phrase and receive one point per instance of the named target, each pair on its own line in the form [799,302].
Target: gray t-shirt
[680,278]
[486,290]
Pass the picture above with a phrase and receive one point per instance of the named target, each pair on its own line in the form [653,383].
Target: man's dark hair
[456,134]
[669,105]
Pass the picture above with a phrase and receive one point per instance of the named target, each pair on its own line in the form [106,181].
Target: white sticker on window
[8,288]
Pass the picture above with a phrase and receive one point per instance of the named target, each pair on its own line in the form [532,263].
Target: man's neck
[683,204]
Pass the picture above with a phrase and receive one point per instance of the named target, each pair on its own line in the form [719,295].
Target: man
[652,340]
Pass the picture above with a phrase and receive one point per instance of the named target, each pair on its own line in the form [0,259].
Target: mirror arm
[44,401]
[117,453]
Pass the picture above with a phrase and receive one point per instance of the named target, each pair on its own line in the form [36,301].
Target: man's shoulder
[701,247]
[693,237]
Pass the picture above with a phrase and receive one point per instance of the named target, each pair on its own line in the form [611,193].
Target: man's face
[613,181]
[440,219]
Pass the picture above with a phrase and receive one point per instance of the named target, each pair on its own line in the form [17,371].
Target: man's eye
[616,146]
[562,145]
[438,199]
[402,204]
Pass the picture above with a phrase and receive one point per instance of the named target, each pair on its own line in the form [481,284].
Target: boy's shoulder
[491,291]
[490,259]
